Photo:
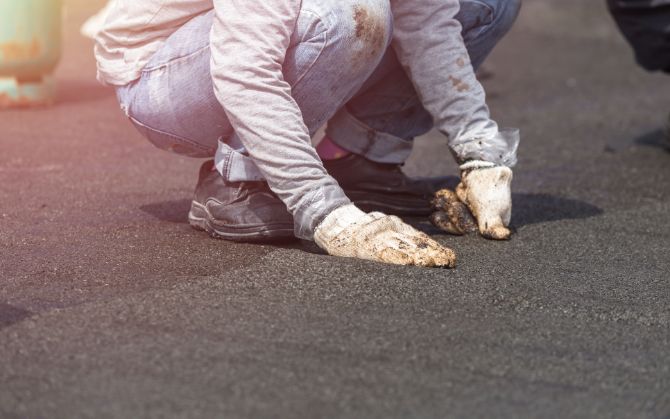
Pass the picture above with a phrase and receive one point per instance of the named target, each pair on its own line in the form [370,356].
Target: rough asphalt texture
[112,306]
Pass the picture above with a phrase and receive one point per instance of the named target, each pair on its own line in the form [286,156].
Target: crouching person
[248,83]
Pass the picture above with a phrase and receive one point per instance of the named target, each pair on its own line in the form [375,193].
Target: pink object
[328,150]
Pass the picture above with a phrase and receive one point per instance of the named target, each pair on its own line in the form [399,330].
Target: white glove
[350,232]
[486,190]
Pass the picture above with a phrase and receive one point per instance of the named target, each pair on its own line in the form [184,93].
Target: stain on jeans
[371,30]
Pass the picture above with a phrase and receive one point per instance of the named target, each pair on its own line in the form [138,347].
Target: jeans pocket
[475,14]
[172,143]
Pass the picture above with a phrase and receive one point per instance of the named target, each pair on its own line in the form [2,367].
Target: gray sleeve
[249,40]
[428,41]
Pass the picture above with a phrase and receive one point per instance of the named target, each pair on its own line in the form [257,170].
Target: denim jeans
[372,110]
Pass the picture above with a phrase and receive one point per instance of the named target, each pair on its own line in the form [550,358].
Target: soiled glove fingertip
[447,260]
[462,218]
[462,193]
[441,220]
[497,233]
[432,254]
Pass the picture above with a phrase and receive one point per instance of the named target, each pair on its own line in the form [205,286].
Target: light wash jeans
[374,112]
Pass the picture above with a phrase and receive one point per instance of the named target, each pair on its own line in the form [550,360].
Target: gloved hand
[486,190]
[350,232]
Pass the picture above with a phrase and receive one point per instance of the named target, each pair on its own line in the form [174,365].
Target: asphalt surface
[112,306]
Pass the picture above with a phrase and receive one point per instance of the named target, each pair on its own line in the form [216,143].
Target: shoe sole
[364,201]
[200,218]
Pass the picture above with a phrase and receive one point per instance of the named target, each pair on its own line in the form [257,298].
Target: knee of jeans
[363,29]
[506,13]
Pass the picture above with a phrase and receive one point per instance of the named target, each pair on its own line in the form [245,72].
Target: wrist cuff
[336,222]
[477,164]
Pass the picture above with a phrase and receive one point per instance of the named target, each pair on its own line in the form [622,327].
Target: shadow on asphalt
[528,209]
[80,91]
[531,208]
[656,138]
[440,182]
[10,315]
[175,211]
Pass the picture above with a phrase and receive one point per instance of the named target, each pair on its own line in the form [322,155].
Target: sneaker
[238,211]
[381,187]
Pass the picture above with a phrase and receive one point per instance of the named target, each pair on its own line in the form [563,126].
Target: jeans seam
[228,165]
[477,31]
[173,136]
[488,7]
[368,128]
[323,44]
[627,5]
[175,60]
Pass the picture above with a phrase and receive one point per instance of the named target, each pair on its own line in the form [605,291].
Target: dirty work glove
[452,215]
[485,192]
[486,189]
[350,232]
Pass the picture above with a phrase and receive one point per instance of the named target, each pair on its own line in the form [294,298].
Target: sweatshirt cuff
[318,205]
[499,149]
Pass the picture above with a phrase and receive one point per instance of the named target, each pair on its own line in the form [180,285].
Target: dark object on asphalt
[646,25]
[485,72]
[380,187]
[451,215]
[239,211]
